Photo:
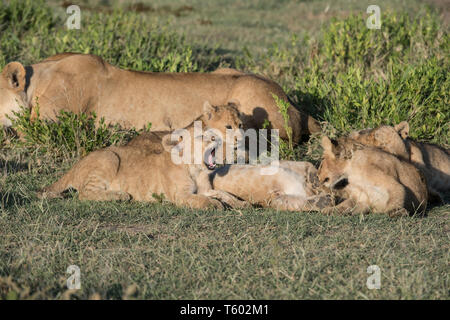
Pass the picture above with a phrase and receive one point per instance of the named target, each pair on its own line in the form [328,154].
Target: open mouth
[210,159]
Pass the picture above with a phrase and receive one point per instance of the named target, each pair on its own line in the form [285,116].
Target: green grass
[172,253]
[344,74]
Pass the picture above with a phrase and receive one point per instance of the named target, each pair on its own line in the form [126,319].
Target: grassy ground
[339,71]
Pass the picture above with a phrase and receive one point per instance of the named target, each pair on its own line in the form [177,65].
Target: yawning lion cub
[144,168]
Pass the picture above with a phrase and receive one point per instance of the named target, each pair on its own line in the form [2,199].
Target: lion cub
[370,179]
[434,161]
[143,169]
[290,186]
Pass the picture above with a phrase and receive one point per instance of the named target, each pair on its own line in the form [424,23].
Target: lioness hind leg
[97,185]
[45,194]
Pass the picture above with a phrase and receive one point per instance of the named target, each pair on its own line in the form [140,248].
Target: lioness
[434,161]
[289,186]
[86,83]
[143,169]
[370,179]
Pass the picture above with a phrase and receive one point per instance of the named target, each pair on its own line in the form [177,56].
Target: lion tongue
[211,163]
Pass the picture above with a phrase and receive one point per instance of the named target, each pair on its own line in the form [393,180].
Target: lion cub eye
[228,127]
[241,126]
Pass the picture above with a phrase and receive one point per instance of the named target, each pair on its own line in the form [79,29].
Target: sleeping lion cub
[370,179]
[144,168]
[292,186]
[434,161]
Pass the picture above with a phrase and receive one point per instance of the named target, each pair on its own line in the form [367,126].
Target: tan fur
[12,86]
[434,161]
[292,186]
[87,83]
[370,179]
[143,169]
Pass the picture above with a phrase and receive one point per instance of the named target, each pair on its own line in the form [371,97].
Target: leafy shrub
[419,94]
[283,107]
[18,19]
[280,62]
[404,39]
[114,38]
[358,79]
[353,77]
[70,135]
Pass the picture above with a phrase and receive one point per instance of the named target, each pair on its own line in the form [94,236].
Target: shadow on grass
[12,166]
[115,292]
[11,199]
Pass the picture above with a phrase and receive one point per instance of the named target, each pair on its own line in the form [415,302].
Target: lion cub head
[335,157]
[387,138]
[208,131]
[222,117]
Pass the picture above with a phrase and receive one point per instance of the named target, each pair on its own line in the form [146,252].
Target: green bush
[419,94]
[401,39]
[70,135]
[18,20]
[280,62]
[354,77]
[114,38]
[358,78]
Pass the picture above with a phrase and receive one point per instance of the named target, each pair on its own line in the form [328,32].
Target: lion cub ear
[328,148]
[208,110]
[403,129]
[14,74]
